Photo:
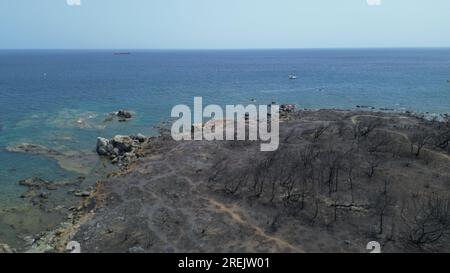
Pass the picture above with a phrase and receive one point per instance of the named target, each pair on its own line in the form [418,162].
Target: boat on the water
[122,53]
[292,76]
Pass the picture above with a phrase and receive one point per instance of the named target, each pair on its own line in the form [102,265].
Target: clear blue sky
[160,24]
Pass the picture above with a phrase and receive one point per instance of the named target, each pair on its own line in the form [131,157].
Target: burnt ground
[339,180]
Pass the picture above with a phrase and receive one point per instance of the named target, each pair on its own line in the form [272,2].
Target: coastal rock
[43,195]
[136,249]
[287,108]
[121,115]
[103,147]
[82,194]
[120,149]
[365,107]
[37,183]
[141,138]
[115,152]
[73,247]
[123,143]
[386,109]
[124,114]
[29,240]
[44,244]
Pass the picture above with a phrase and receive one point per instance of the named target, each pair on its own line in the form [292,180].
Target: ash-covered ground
[339,180]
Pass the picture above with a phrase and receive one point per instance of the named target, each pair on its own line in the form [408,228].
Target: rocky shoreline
[176,188]
[121,151]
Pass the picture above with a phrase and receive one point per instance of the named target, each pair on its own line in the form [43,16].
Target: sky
[223,24]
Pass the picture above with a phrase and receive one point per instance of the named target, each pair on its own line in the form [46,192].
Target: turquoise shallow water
[59,99]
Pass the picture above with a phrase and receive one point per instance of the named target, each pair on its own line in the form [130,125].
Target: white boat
[292,76]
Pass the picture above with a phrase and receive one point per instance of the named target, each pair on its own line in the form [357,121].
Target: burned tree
[260,173]
[364,128]
[304,171]
[319,131]
[427,220]
[373,161]
[418,141]
[378,142]
[383,205]
[442,140]
[235,181]
[349,166]
[331,165]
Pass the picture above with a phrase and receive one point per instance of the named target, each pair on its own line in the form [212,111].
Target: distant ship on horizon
[122,53]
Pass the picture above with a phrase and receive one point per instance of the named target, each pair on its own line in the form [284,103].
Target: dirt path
[354,119]
[235,216]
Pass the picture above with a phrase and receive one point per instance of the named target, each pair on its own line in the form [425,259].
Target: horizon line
[223,49]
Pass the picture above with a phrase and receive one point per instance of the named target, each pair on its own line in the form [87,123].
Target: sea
[60,100]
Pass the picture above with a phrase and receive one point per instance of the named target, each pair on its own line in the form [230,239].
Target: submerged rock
[81,162]
[32,149]
[110,117]
[4,248]
[39,191]
[37,183]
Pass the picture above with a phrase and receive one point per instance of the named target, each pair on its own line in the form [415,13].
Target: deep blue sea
[59,99]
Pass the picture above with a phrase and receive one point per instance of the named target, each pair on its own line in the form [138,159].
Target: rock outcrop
[103,146]
[124,114]
[120,149]
[123,144]
[121,115]
[287,108]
